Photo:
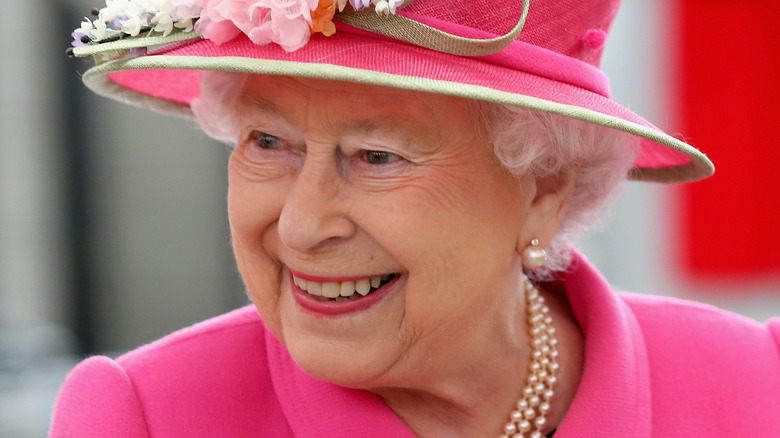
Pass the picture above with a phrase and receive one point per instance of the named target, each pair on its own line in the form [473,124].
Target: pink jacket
[655,367]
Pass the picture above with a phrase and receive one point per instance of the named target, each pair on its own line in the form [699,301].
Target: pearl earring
[534,256]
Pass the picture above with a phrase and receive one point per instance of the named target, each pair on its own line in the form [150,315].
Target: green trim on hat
[96,79]
[405,29]
[111,50]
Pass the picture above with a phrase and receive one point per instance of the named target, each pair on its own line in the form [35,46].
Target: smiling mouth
[342,291]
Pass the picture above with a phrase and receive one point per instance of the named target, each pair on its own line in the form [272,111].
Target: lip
[329,279]
[332,309]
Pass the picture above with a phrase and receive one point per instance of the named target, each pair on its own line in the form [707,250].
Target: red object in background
[728,86]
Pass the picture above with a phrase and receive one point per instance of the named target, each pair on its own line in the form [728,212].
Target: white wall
[32,267]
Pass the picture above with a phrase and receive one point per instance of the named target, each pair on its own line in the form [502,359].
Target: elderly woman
[403,190]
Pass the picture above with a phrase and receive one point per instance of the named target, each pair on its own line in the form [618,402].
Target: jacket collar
[613,398]
[318,409]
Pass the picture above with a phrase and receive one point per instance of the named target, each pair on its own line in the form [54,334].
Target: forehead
[296,97]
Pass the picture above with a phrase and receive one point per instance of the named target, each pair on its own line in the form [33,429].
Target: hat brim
[166,80]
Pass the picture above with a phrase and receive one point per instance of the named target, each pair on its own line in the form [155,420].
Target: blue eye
[379,157]
[266,141]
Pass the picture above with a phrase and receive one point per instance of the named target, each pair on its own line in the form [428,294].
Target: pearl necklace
[530,410]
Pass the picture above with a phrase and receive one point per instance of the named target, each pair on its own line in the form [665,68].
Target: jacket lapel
[613,398]
[318,409]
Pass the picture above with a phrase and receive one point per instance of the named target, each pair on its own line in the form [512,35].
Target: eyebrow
[365,125]
[389,123]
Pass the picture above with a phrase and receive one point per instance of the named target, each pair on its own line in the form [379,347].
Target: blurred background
[113,229]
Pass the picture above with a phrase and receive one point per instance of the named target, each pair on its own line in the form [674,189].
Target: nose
[314,213]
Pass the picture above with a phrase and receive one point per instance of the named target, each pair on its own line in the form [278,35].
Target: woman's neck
[469,388]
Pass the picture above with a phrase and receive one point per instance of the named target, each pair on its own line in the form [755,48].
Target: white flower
[187,9]
[125,10]
[163,23]
[114,9]
[394,4]
[140,7]
[100,29]
[108,14]
[161,6]
[359,4]
[86,25]
[381,7]
[131,26]
[285,22]
[185,25]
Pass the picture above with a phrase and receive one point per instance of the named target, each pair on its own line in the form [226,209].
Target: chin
[339,363]
[353,349]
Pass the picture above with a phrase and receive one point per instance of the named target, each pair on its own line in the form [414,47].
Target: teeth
[314,288]
[363,286]
[347,288]
[331,290]
[341,290]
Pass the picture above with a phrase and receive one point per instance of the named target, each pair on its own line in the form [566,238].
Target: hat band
[422,31]
[413,31]
[519,56]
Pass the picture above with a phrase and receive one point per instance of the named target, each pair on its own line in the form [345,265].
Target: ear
[550,197]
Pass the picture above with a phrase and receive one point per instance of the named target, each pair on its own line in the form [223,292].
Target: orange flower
[322,18]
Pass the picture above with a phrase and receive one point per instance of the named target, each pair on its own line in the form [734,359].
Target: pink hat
[539,54]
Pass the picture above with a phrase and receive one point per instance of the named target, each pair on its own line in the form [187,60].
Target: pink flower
[217,20]
[218,31]
[284,22]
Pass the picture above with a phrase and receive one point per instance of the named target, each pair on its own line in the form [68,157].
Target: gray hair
[545,144]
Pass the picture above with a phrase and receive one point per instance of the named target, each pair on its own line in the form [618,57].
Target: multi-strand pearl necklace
[528,417]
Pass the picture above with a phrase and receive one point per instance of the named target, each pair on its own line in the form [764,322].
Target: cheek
[465,208]
[252,206]
[253,210]
[457,236]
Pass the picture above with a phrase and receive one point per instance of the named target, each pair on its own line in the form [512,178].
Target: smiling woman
[317,208]
[403,200]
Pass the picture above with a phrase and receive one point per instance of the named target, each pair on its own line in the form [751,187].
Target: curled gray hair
[597,158]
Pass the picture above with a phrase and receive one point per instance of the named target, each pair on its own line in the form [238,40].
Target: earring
[534,256]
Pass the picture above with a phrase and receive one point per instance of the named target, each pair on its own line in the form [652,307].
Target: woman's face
[342,183]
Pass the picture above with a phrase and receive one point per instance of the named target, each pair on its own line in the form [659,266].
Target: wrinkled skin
[336,179]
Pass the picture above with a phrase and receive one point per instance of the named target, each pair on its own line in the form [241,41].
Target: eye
[266,141]
[379,157]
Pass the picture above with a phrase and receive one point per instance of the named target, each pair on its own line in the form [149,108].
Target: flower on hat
[284,22]
[132,25]
[187,9]
[163,23]
[322,18]
[288,23]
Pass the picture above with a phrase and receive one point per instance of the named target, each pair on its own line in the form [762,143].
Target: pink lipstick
[331,308]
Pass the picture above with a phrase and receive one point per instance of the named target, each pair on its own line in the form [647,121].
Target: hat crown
[574,28]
